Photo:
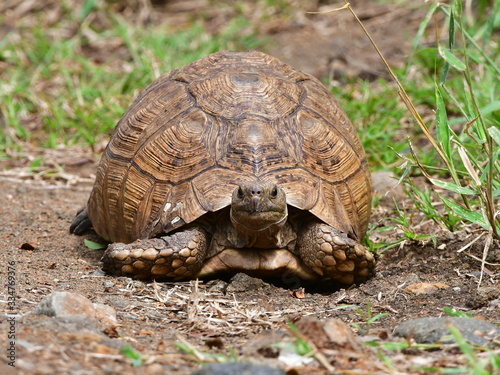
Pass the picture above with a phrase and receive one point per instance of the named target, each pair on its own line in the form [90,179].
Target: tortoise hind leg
[175,256]
[81,223]
[330,253]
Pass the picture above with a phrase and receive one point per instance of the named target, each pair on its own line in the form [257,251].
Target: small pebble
[432,330]
[239,368]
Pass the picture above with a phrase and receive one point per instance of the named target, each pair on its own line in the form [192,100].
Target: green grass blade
[456,9]
[476,365]
[132,354]
[465,213]
[494,133]
[93,245]
[490,26]
[87,8]
[451,43]
[485,110]
[421,31]
[442,128]
[492,65]
[376,317]
[450,58]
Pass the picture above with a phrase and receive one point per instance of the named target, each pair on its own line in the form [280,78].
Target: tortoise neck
[269,236]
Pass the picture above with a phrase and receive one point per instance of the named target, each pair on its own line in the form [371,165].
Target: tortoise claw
[81,223]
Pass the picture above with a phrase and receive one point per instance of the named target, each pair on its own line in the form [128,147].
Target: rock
[341,336]
[67,304]
[331,334]
[312,328]
[108,284]
[484,295]
[264,344]
[495,304]
[425,288]
[62,304]
[385,185]
[71,324]
[241,282]
[75,328]
[431,330]
[216,286]
[105,314]
[239,368]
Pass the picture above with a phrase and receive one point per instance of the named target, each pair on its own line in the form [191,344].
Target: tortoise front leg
[176,256]
[330,253]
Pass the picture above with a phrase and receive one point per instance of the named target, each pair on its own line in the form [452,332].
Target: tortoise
[234,163]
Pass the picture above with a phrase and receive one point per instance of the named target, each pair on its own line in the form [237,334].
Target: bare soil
[217,317]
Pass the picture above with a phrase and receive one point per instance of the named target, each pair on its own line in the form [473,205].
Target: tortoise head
[258,205]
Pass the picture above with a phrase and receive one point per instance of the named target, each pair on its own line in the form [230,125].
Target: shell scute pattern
[195,134]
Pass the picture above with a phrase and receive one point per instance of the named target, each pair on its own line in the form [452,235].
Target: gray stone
[341,336]
[241,282]
[82,324]
[67,304]
[385,185]
[216,286]
[330,334]
[432,330]
[79,327]
[239,368]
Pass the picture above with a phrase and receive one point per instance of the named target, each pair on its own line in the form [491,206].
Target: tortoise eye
[274,192]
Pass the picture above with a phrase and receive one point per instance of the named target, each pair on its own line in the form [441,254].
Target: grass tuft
[69,72]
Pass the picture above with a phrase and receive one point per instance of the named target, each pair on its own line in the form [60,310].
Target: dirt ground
[216,317]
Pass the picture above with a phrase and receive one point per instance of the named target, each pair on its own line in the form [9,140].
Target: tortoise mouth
[258,221]
[257,262]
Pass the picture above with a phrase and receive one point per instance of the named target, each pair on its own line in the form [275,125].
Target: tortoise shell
[196,133]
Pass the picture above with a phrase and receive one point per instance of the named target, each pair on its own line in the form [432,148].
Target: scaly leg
[330,253]
[176,256]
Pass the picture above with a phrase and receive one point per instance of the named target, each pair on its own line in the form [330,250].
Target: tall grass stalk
[471,153]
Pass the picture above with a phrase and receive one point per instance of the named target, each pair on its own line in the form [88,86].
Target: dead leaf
[425,288]
[146,332]
[111,332]
[298,294]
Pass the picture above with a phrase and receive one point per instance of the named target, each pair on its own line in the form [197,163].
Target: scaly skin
[177,256]
[330,253]
[247,246]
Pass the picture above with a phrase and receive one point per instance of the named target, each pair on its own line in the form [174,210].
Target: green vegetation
[381,119]
[467,171]
[455,313]
[475,365]
[368,318]
[66,78]
[132,354]
[93,245]
[68,74]
[405,225]
[456,85]
[204,357]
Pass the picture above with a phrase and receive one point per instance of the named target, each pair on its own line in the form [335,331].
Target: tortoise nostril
[240,192]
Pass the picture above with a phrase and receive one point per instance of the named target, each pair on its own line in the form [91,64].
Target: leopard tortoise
[234,163]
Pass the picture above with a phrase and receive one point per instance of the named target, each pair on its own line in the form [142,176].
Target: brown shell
[196,133]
